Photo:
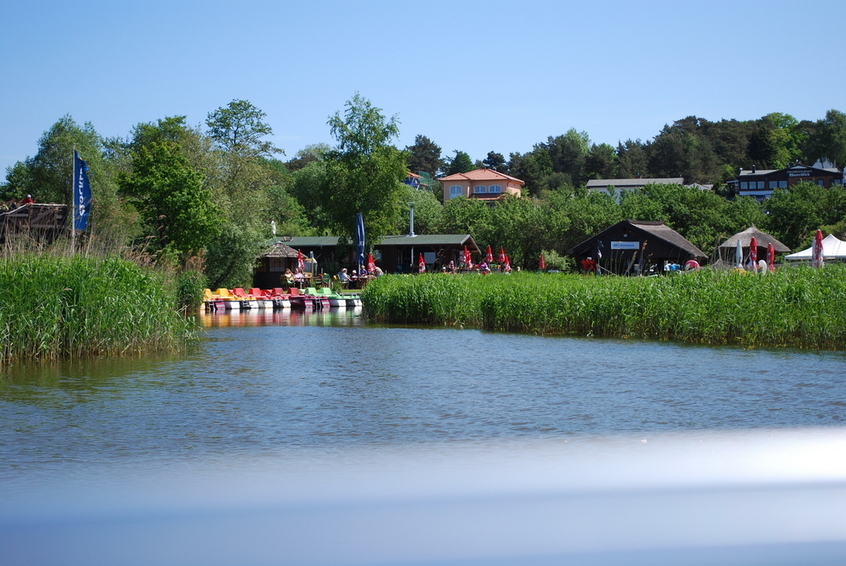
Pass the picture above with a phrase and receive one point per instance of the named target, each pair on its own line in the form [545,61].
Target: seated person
[343,277]
[298,278]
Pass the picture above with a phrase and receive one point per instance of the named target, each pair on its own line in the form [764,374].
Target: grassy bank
[62,307]
[801,307]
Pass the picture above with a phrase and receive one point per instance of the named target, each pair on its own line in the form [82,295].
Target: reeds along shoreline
[54,307]
[795,307]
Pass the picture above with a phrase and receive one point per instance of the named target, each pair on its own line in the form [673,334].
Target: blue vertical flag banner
[359,239]
[81,193]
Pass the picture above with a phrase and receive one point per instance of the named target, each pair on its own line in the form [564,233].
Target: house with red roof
[484,184]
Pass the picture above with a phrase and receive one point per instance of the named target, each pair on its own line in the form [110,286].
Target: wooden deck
[37,222]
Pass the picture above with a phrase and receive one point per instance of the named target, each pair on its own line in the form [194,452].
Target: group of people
[295,277]
[353,280]
[12,205]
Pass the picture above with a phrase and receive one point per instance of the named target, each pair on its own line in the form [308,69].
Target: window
[480,189]
[495,189]
[821,182]
[778,184]
[761,184]
[455,191]
[744,186]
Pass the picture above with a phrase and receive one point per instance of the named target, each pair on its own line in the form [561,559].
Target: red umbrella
[300,260]
[753,253]
[541,263]
[421,264]
[771,257]
[817,259]
[501,254]
[489,255]
[468,259]
[507,263]
[371,265]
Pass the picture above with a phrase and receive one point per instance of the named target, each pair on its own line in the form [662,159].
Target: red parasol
[507,263]
[371,265]
[421,265]
[468,259]
[753,253]
[300,260]
[489,255]
[817,259]
[541,263]
[771,257]
[501,254]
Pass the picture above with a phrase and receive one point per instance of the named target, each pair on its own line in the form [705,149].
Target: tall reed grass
[797,307]
[55,306]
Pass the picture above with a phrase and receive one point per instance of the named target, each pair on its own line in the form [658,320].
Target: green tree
[47,176]
[425,156]
[601,162]
[796,213]
[428,211]
[240,181]
[171,198]
[569,154]
[495,161]
[364,172]
[459,163]
[829,140]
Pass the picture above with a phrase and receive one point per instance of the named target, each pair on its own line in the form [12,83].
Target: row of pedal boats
[310,298]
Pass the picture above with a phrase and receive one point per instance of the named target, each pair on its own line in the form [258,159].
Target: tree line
[696,149]
[212,195]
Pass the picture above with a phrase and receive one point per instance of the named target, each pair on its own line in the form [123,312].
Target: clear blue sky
[476,76]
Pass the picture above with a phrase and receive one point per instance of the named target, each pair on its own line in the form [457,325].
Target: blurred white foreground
[767,497]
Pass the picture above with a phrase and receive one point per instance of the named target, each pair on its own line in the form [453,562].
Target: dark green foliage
[459,163]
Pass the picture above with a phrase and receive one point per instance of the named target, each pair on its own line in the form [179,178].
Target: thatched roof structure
[762,238]
[280,250]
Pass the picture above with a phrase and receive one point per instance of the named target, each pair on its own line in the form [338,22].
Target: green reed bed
[59,307]
[800,307]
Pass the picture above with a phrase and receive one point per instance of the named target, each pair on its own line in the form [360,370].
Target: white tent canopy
[833,248]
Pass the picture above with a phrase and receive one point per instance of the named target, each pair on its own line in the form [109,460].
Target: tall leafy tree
[459,163]
[829,140]
[364,172]
[424,155]
[172,199]
[495,161]
[797,212]
[241,181]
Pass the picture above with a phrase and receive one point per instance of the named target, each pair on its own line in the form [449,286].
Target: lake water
[273,387]
[261,384]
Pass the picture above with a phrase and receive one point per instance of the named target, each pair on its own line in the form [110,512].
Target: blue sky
[470,75]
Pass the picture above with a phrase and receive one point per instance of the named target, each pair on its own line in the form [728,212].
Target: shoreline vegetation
[54,307]
[794,308]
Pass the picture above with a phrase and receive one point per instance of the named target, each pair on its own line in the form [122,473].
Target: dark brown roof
[657,230]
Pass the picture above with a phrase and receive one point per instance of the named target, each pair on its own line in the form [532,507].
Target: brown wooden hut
[635,247]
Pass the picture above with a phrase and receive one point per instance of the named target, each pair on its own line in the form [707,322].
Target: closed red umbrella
[817,259]
[753,253]
[300,260]
[489,255]
[421,264]
[468,259]
[371,265]
[507,263]
[541,263]
[501,254]
[771,257]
